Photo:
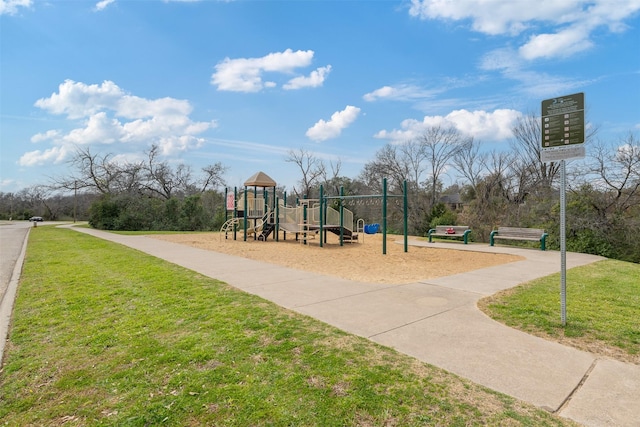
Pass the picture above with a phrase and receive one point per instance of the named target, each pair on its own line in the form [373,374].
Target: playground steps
[350,238]
[347,235]
[267,229]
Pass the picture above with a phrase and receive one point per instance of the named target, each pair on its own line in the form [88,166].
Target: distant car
[36,219]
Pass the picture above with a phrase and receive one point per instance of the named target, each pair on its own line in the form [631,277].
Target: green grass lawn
[106,335]
[603,308]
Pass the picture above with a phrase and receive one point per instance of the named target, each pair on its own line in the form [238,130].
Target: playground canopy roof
[260,179]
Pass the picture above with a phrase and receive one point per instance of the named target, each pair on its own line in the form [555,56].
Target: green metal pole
[341,216]
[404,211]
[235,212]
[226,212]
[384,216]
[255,221]
[245,213]
[321,214]
[304,220]
[277,218]
[284,204]
[275,212]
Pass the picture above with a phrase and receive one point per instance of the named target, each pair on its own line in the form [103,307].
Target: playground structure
[260,214]
[254,217]
[252,211]
[308,219]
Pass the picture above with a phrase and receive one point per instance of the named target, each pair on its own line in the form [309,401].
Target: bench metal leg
[491,240]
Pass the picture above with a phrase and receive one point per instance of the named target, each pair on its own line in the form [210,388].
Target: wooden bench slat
[441,231]
[533,238]
[518,233]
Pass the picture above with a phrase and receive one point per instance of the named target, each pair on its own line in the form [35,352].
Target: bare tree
[311,167]
[99,173]
[470,162]
[166,181]
[213,176]
[160,179]
[389,163]
[420,162]
[96,173]
[614,170]
[439,145]
[527,144]
[331,179]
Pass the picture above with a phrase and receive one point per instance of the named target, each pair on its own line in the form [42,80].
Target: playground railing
[333,218]
[296,216]
[255,207]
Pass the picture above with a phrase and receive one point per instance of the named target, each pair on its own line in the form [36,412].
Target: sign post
[563,139]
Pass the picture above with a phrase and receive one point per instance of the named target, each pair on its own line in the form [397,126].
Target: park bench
[515,233]
[455,231]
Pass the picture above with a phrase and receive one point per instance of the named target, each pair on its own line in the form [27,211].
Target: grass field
[603,309]
[106,335]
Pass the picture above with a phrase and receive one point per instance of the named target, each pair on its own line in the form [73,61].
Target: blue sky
[243,82]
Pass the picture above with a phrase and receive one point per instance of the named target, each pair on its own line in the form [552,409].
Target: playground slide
[290,227]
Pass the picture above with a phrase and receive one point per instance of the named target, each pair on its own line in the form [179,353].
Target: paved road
[13,239]
[437,321]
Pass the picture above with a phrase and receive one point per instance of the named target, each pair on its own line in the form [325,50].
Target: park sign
[562,128]
[563,139]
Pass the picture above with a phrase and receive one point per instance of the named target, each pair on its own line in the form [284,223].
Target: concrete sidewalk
[437,321]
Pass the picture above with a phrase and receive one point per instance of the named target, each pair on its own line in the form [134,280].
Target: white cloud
[10,7]
[496,16]
[134,107]
[174,144]
[48,135]
[101,5]
[98,129]
[532,83]
[571,21]
[383,92]
[40,157]
[493,126]
[324,130]
[402,92]
[78,100]
[315,79]
[6,183]
[561,44]
[501,59]
[485,125]
[110,116]
[245,74]
[189,1]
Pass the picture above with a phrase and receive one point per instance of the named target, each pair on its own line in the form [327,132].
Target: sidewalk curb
[8,299]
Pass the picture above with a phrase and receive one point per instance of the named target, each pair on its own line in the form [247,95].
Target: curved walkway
[437,321]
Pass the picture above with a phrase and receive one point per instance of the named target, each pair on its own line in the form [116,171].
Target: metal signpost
[563,139]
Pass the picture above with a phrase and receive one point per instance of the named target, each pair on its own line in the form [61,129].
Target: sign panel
[231,202]
[562,153]
[562,127]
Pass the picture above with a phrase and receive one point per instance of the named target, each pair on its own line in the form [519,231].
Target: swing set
[370,227]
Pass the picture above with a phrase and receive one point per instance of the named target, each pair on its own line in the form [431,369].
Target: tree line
[487,189]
